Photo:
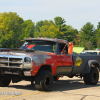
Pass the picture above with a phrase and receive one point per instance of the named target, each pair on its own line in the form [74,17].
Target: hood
[23,52]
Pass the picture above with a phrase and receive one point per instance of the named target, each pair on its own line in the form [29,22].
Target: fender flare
[89,64]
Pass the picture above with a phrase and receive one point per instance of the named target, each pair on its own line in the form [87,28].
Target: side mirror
[70,47]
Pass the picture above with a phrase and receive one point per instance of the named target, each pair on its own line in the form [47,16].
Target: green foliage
[9,29]
[27,29]
[13,28]
[98,35]
[88,39]
[98,26]
[70,33]
[66,30]
[47,29]
[59,20]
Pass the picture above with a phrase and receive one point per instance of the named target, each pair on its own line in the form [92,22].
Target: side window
[63,48]
[99,53]
[53,48]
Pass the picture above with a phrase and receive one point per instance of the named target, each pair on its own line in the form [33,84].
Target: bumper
[17,72]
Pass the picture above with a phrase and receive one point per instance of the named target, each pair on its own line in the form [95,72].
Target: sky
[75,12]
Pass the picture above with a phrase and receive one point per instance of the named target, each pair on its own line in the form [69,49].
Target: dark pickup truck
[44,60]
[4,49]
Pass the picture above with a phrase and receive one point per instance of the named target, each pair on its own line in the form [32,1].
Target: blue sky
[75,12]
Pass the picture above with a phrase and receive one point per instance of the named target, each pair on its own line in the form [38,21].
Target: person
[61,51]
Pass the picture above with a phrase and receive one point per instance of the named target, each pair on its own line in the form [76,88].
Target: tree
[98,26]
[37,28]
[98,35]
[67,31]
[59,21]
[88,35]
[14,28]
[47,29]
[88,45]
[70,34]
[27,29]
[10,29]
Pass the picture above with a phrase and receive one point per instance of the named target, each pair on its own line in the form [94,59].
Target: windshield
[39,46]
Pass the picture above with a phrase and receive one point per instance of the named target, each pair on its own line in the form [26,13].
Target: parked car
[4,49]
[94,52]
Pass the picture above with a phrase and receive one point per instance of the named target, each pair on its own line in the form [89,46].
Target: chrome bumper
[26,73]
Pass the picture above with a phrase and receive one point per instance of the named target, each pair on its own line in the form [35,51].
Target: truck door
[59,60]
[67,60]
[64,63]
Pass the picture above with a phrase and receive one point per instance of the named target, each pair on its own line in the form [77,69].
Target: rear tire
[44,80]
[92,77]
[4,81]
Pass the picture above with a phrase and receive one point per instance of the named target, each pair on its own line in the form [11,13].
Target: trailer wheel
[44,80]
[92,77]
[4,81]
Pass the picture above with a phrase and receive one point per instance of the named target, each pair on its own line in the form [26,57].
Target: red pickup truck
[44,60]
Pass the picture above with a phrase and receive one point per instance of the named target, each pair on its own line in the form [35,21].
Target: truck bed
[82,62]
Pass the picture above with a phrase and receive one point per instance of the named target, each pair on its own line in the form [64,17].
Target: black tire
[93,77]
[55,78]
[44,80]
[4,81]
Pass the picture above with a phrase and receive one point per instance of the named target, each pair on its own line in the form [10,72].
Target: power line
[80,36]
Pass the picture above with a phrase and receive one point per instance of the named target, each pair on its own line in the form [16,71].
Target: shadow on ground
[60,85]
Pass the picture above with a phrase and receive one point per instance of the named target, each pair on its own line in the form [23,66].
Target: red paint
[54,60]
[30,46]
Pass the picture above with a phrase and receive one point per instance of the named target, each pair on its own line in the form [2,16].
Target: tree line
[13,29]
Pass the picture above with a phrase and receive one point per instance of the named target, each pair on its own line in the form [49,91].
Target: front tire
[44,80]
[92,77]
[4,81]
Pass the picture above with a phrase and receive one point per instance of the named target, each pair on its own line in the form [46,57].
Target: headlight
[27,62]
[27,59]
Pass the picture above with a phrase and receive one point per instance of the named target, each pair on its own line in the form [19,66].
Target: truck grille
[11,62]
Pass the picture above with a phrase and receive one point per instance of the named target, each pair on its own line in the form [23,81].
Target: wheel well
[45,67]
[95,65]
